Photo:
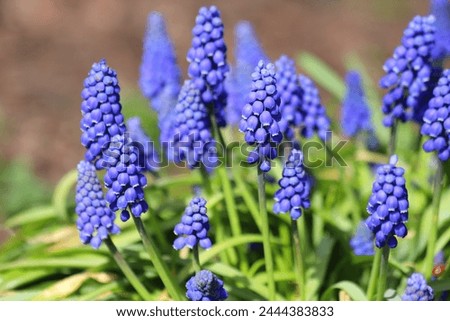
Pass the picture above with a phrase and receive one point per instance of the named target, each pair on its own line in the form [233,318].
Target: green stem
[439,181]
[127,271]
[266,235]
[384,265]
[196,256]
[374,275]
[206,182]
[299,263]
[393,139]
[160,266]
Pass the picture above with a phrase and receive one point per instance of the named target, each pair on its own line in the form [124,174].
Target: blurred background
[48,46]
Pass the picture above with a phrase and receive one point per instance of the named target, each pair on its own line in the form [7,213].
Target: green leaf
[440,285]
[31,216]
[61,193]
[352,289]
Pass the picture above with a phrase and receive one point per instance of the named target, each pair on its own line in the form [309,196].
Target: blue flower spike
[207,59]
[194,226]
[362,241]
[101,111]
[436,120]
[388,205]
[417,289]
[440,9]
[260,117]
[95,220]
[410,73]
[295,187]
[205,286]
[193,141]
[124,179]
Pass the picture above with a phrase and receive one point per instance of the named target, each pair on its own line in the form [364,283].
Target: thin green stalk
[127,271]
[160,266]
[384,266]
[439,181]
[299,263]
[374,273]
[266,235]
[196,260]
[206,182]
[393,139]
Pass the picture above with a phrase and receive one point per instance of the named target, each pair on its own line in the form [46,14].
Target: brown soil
[48,46]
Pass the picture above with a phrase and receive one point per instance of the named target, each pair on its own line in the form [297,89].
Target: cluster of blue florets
[194,226]
[207,59]
[295,187]
[388,205]
[101,110]
[193,141]
[417,289]
[205,286]
[409,72]
[260,117]
[124,179]
[440,9]
[436,120]
[95,220]
[291,96]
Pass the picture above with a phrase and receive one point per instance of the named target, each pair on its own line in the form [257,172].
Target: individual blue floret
[205,286]
[362,241]
[194,226]
[417,289]
[388,205]
[260,117]
[295,187]
[95,220]
[207,59]
[101,110]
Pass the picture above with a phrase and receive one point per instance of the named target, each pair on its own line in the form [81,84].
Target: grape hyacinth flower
[440,9]
[388,205]
[101,110]
[124,179]
[207,59]
[194,226]
[315,119]
[248,52]
[417,289]
[291,96]
[295,187]
[148,158]
[356,116]
[160,75]
[410,73]
[205,286]
[95,220]
[362,241]
[436,120]
[260,117]
[192,136]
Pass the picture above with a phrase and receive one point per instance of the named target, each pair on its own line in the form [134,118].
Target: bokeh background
[48,46]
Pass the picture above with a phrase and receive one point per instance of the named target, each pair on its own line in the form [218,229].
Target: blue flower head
[410,73]
[291,96]
[315,119]
[192,137]
[124,179]
[295,187]
[436,119]
[440,9]
[248,52]
[388,205]
[148,157]
[207,59]
[356,115]
[194,226]
[205,286]
[260,117]
[362,241]
[95,220]
[417,289]
[160,75]
[101,110]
